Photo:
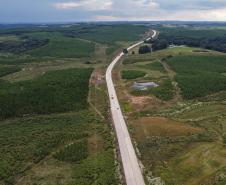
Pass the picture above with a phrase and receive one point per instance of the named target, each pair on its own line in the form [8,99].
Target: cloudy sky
[13,11]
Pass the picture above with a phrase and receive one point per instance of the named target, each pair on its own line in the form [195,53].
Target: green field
[155,66]
[56,91]
[165,91]
[132,74]
[199,76]
[110,50]
[5,38]
[109,34]
[62,47]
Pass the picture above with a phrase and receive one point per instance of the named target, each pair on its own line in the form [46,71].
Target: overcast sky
[14,11]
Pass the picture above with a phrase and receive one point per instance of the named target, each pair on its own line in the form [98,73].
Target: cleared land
[160,126]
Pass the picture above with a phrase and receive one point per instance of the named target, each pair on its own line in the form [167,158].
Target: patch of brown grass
[48,172]
[160,126]
[139,102]
[95,144]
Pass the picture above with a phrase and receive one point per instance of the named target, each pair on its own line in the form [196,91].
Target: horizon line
[110,21]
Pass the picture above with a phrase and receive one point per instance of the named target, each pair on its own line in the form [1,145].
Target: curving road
[132,170]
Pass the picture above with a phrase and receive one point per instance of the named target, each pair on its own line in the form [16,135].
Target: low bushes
[8,70]
[73,152]
[132,74]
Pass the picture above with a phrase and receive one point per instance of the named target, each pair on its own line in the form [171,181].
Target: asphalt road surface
[132,170]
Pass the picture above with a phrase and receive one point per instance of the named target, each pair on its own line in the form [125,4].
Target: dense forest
[199,76]
[56,91]
[207,39]
[22,46]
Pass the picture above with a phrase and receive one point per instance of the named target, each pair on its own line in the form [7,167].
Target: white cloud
[146,3]
[68,5]
[215,15]
[187,15]
[105,18]
[92,5]
[197,15]
[146,9]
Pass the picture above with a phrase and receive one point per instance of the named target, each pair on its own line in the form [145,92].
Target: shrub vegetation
[132,74]
[27,141]
[22,46]
[8,70]
[165,91]
[156,66]
[144,49]
[73,152]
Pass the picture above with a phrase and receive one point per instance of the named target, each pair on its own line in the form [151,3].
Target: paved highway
[132,170]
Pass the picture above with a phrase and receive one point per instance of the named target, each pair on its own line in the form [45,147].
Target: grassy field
[110,50]
[155,66]
[165,91]
[108,34]
[62,47]
[159,126]
[132,74]
[8,38]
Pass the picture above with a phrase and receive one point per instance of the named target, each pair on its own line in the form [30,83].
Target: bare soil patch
[97,77]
